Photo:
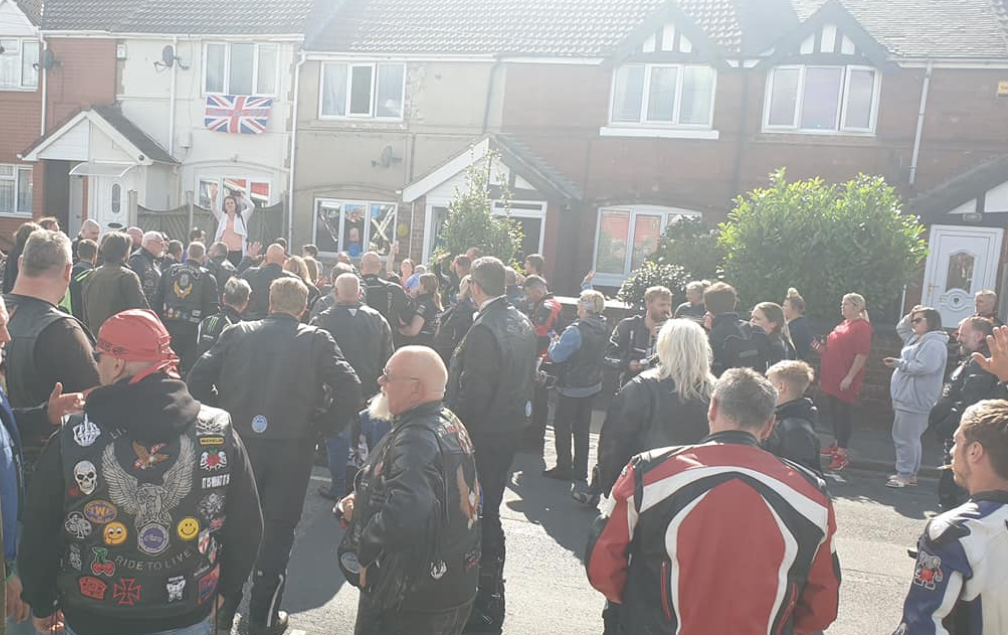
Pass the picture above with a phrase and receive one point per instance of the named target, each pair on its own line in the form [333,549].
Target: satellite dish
[168,56]
[386,159]
[47,61]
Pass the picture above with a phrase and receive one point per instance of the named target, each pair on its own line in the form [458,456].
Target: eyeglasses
[388,380]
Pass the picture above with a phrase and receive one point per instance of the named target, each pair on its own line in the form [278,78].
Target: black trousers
[282,471]
[536,433]
[494,455]
[183,342]
[573,416]
[372,620]
[840,413]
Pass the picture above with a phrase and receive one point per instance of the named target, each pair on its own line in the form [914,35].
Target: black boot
[487,615]
[265,616]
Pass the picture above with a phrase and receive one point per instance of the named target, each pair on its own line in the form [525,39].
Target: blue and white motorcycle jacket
[960,582]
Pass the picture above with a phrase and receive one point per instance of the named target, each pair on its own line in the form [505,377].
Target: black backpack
[747,347]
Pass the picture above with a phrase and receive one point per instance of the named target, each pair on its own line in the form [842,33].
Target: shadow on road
[316,576]
[548,503]
[916,502]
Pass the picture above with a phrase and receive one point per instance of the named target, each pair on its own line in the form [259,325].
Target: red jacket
[721,537]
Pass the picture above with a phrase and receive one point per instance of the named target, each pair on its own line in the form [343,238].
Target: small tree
[690,243]
[651,274]
[825,240]
[471,221]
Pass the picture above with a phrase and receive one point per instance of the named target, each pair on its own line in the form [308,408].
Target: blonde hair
[297,266]
[463,293]
[795,299]
[858,301]
[684,356]
[798,375]
[592,301]
[288,295]
[987,293]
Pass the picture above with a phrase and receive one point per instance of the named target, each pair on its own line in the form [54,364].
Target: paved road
[547,590]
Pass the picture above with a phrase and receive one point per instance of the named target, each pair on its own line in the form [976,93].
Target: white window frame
[842,129]
[373,108]
[428,236]
[667,214]
[17,168]
[646,123]
[21,86]
[219,178]
[366,238]
[255,68]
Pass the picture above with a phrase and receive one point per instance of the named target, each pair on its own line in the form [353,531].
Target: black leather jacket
[492,373]
[364,337]
[967,385]
[260,279]
[631,341]
[279,379]
[647,413]
[793,436]
[149,271]
[416,524]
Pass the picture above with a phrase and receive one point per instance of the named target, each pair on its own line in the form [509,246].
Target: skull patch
[86,476]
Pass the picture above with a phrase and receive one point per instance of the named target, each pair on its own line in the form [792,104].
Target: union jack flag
[243,114]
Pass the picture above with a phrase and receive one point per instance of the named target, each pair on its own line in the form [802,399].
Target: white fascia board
[324,56]
[53,136]
[258,37]
[577,61]
[463,160]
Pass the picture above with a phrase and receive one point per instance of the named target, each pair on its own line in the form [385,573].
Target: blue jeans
[338,450]
[200,628]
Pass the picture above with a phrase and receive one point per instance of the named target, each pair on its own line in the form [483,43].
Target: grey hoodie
[917,382]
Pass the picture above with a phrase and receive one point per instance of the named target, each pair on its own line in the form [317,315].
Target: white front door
[961,261]
[110,201]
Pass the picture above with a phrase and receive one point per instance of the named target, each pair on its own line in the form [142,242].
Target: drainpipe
[490,89]
[293,151]
[920,122]
[744,105]
[45,74]
[171,102]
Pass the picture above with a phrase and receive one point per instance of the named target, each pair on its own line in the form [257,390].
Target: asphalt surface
[548,592]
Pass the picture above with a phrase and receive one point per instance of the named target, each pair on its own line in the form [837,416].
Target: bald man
[365,338]
[384,296]
[260,278]
[415,508]
[145,264]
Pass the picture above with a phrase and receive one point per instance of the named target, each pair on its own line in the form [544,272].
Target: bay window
[354,226]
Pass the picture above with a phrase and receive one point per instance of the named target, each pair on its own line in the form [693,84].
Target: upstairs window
[241,69]
[366,91]
[663,95]
[18,70]
[822,99]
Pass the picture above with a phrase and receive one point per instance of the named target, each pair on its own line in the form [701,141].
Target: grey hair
[46,252]
[196,250]
[236,292]
[488,273]
[684,356]
[745,397]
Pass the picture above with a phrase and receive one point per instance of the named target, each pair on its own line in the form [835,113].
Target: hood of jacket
[798,409]
[152,410]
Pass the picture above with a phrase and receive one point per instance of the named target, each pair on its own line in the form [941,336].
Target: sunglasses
[386,379]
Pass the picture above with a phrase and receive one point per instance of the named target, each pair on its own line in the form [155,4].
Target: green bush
[825,240]
[652,274]
[471,221]
[692,244]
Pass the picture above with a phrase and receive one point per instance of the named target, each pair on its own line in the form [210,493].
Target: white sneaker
[898,482]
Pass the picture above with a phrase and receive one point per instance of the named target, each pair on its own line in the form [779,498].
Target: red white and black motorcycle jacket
[720,537]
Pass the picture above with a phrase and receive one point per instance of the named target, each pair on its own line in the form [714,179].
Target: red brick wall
[86,75]
[20,119]
[557,111]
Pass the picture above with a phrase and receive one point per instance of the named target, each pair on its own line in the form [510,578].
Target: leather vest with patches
[140,522]
[184,293]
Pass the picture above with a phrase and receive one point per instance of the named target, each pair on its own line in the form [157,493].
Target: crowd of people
[164,405]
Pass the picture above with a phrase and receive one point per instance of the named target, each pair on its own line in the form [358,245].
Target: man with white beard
[412,545]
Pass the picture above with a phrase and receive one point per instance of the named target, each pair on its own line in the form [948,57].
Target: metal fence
[266,224]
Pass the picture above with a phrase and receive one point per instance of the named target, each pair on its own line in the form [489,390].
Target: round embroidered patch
[259,424]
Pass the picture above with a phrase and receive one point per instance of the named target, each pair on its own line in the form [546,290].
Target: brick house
[139,131]
[20,108]
[646,110]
